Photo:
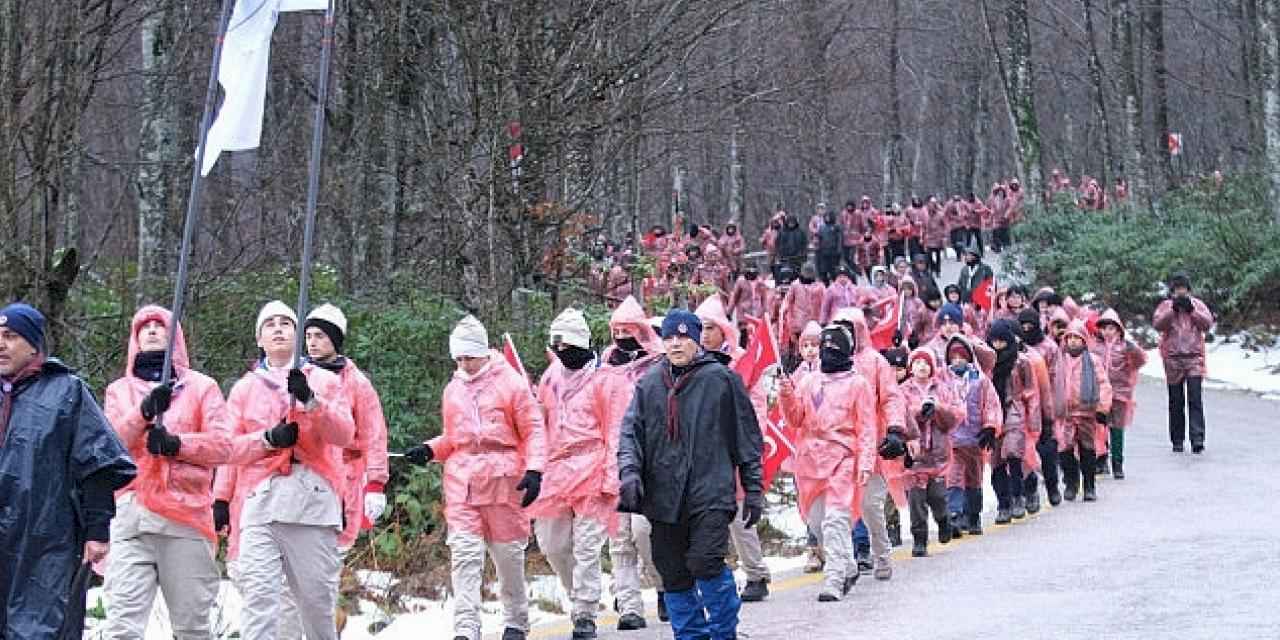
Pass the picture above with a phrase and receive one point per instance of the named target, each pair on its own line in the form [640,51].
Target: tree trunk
[1135,167]
[1160,73]
[157,144]
[1016,72]
[1268,13]
[892,153]
[1249,65]
[1096,75]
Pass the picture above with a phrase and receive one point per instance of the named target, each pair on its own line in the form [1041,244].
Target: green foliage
[1223,238]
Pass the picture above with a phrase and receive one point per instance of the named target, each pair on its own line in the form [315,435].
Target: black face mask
[834,361]
[751,275]
[730,231]
[574,358]
[629,344]
[147,365]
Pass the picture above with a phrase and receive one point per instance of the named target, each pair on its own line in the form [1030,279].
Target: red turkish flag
[761,353]
[890,320]
[778,444]
[984,293]
[513,357]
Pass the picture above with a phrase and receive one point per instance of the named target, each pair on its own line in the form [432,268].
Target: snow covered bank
[1242,362]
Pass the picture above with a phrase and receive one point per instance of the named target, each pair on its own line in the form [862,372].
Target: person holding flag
[284,482]
[163,533]
[892,435]
[833,414]
[719,338]
[493,448]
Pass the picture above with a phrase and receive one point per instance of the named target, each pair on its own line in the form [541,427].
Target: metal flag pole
[193,200]
[313,181]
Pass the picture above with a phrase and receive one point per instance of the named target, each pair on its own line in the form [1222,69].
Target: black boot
[1089,464]
[1018,510]
[956,526]
[1071,469]
[973,510]
[1033,502]
[584,629]
[631,622]
[895,534]
[662,609]
[944,531]
[1117,470]
[755,591]
[1003,515]
[1103,466]
[920,549]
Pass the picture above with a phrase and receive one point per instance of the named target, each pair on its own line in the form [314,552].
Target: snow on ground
[1240,362]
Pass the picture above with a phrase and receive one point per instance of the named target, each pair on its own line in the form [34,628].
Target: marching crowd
[895,394]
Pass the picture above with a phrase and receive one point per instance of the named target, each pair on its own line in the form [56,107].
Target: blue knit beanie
[24,320]
[951,311]
[682,322]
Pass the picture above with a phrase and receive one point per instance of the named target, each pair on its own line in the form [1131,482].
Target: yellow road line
[903,554]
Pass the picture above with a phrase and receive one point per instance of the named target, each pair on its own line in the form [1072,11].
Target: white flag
[246,53]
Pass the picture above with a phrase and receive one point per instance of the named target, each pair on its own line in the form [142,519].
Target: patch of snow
[1233,365]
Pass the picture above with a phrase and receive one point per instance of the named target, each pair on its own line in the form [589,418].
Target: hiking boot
[662,609]
[584,629]
[1117,470]
[848,584]
[944,532]
[895,535]
[814,563]
[957,529]
[631,622]
[755,591]
[1055,496]
[1002,516]
[1177,447]
[1032,502]
[512,633]
[920,549]
[1070,493]
[863,556]
[1197,448]
[1019,510]
[1103,467]
[975,528]
[828,597]
[884,572]
[1090,495]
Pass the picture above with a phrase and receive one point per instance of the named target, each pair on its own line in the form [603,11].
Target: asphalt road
[1185,547]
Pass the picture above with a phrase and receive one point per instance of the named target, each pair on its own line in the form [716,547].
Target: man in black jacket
[688,438]
[60,465]
[792,244]
[973,273]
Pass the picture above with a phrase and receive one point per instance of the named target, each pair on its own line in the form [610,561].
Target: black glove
[752,509]
[1183,304]
[893,446]
[1046,433]
[298,387]
[531,485]
[162,443]
[221,515]
[420,455]
[630,495]
[1101,417]
[897,338]
[927,409]
[987,438]
[156,402]
[282,436]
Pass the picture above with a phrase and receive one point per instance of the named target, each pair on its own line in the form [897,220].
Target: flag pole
[193,200]
[313,180]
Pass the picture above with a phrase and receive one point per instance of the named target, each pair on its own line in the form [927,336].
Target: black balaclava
[147,365]
[751,273]
[836,353]
[573,357]
[1006,358]
[1029,316]
[627,350]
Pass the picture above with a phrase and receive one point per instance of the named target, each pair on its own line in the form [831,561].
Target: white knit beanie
[469,339]
[330,314]
[572,328]
[271,310]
